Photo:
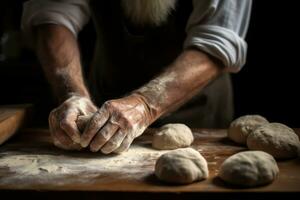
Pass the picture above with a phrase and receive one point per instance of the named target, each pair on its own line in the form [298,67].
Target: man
[155,61]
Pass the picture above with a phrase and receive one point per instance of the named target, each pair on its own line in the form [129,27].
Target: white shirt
[217,27]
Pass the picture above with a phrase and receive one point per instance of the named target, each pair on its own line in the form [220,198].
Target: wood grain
[11,119]
[213,145]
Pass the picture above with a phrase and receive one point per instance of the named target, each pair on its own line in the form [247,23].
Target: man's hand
[58,52]
[116,124]
[120,121]
[62,121]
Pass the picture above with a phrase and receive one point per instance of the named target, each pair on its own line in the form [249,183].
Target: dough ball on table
[249,169]
[241,127]
[181,166]
[172,136]
[276,139]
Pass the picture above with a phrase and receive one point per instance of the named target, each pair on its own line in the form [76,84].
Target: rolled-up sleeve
[73,14]
[218,27]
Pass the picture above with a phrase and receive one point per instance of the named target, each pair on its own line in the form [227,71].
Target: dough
[241,127]
[172,136]
[249,169]
[181,166]
[276,139]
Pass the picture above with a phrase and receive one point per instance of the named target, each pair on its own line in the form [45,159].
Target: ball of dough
[181,166]
[172,136]
[249,169]
[241,127]
[276,139]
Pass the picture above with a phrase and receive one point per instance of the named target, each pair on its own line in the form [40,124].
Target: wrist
[63,96]
[71,97]
[152,111]
[77,94]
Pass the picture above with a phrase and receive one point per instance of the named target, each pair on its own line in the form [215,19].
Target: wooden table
[134,177]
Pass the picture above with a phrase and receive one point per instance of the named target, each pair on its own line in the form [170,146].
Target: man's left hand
[116,124]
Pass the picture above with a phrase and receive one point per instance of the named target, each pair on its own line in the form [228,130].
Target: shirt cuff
[219,42]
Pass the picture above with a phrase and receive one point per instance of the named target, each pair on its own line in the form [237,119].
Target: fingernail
[77,139]
[84,144]
[93,148]
[105,151]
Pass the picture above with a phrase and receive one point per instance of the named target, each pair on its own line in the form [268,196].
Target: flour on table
[30,164]
[138,160]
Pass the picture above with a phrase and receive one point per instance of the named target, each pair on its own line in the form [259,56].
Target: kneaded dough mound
[181,166]
[276,139]
[241,127]
[172,136]
[249,169]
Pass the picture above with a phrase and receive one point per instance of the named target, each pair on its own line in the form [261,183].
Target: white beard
[152,12]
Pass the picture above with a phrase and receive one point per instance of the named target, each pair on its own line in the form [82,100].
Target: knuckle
[111,105]
[104,135]
[128,125]
[107,104]
[122,116]
[121,119]
[112,144]
[64,124]
[93,122]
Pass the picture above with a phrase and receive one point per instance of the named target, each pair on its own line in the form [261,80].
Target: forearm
[58,52]
[183,79]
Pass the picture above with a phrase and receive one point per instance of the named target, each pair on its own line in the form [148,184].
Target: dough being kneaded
[181,166]
[249,169]
[276,139]
[172,136]
[241,127]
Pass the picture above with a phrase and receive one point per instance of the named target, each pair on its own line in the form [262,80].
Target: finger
[103,136]
[68,124]
[125,144]
[63,141]
[94,125]
[60,139]
[57,134]
[114,142]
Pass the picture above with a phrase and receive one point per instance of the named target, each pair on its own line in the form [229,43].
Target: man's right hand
[62,121]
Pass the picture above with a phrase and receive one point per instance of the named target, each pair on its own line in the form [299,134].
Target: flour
[31,164]
[155,90]
[138,161]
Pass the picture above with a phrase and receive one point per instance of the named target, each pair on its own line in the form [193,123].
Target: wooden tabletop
[129,172]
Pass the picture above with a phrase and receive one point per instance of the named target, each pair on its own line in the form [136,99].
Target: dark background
[267,85]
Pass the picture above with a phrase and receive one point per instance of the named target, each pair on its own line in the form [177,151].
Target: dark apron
[128,56]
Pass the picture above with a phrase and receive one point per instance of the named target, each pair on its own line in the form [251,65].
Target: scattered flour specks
[40,168]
